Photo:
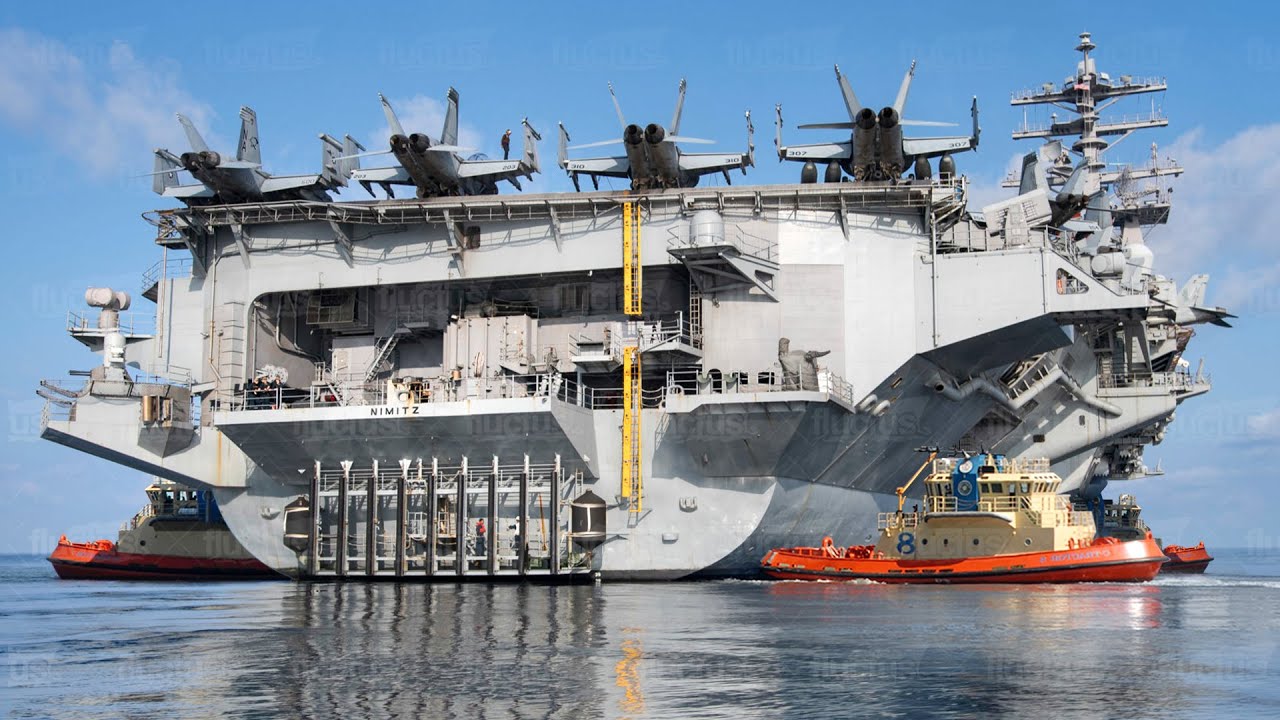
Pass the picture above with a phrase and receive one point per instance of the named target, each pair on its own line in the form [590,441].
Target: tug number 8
[906,543]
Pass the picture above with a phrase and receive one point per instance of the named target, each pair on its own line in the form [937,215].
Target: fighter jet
[653,159]
[223,181]
[436,167]
[876,149]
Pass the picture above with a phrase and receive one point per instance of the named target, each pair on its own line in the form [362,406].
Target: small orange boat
[178,535]
[1183,559]
[987,519]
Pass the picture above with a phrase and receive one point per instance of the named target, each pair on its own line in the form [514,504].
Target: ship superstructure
[644,385]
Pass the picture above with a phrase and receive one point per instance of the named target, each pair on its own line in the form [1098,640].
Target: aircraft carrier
[654,384]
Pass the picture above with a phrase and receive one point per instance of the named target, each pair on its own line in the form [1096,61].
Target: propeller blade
[827,126]
[926,123]
[692,140]
[595,144]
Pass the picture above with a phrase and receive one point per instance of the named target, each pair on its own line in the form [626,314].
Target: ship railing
[697,382]
[352,391]
[1126,119]
[675,330]
[1174,379]
[886,520]
[166,269]
[85,324]
[744,242]
[146,512]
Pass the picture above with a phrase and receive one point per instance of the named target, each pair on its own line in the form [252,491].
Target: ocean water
[1181,647]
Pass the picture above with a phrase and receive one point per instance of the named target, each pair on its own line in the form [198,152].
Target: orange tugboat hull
[100,561]
[1106,560]
[1187,559]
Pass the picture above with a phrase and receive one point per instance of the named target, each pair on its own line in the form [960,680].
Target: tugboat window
[975,541]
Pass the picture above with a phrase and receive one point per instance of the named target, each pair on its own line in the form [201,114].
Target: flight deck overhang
[287,442]
[187,227]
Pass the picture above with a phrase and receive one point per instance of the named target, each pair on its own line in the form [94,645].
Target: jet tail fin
[1192,294]
[777,134]
[977,130]
[338,159]
[166,171]
[393,122]
[562,151]
[193,136]
[622,121]
[531,138]
[248,150]
[351,149]
[850,100]
[900,102]
[675,119]
[449,134]
[751,144]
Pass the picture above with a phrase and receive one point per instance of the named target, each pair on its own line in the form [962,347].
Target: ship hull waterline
[1134,561]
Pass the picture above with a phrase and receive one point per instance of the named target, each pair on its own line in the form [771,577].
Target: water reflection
[714,650]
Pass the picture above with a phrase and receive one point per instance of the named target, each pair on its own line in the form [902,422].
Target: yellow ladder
[632,478]
[631,275]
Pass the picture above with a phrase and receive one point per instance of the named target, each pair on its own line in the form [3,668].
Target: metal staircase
[400,329]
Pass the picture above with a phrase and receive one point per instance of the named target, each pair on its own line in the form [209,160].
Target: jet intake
[633,135]
[654,133]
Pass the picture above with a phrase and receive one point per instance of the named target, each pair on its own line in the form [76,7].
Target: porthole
[1027,542]
[945,541]
[975,541]
[924,541]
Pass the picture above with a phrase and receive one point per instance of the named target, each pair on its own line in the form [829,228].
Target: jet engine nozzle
[866,118]
[633,135]
[210,158]
[654,133]
[419,142]
[888,118]
[190,160]
[399,143]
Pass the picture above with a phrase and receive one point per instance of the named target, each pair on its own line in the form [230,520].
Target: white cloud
[1264,425]
[1224,209]
[106,114]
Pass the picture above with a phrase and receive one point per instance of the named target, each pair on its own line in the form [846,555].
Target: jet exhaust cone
[888,118]
[654,133]
[633,135]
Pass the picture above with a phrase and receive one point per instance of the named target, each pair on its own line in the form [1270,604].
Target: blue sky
[87,89]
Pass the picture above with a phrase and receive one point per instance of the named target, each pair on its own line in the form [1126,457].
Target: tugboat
[1123,520]
[178,535]
[987,519]
[1183,559]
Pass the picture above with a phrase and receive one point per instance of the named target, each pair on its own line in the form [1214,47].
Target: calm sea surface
[1196,647]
